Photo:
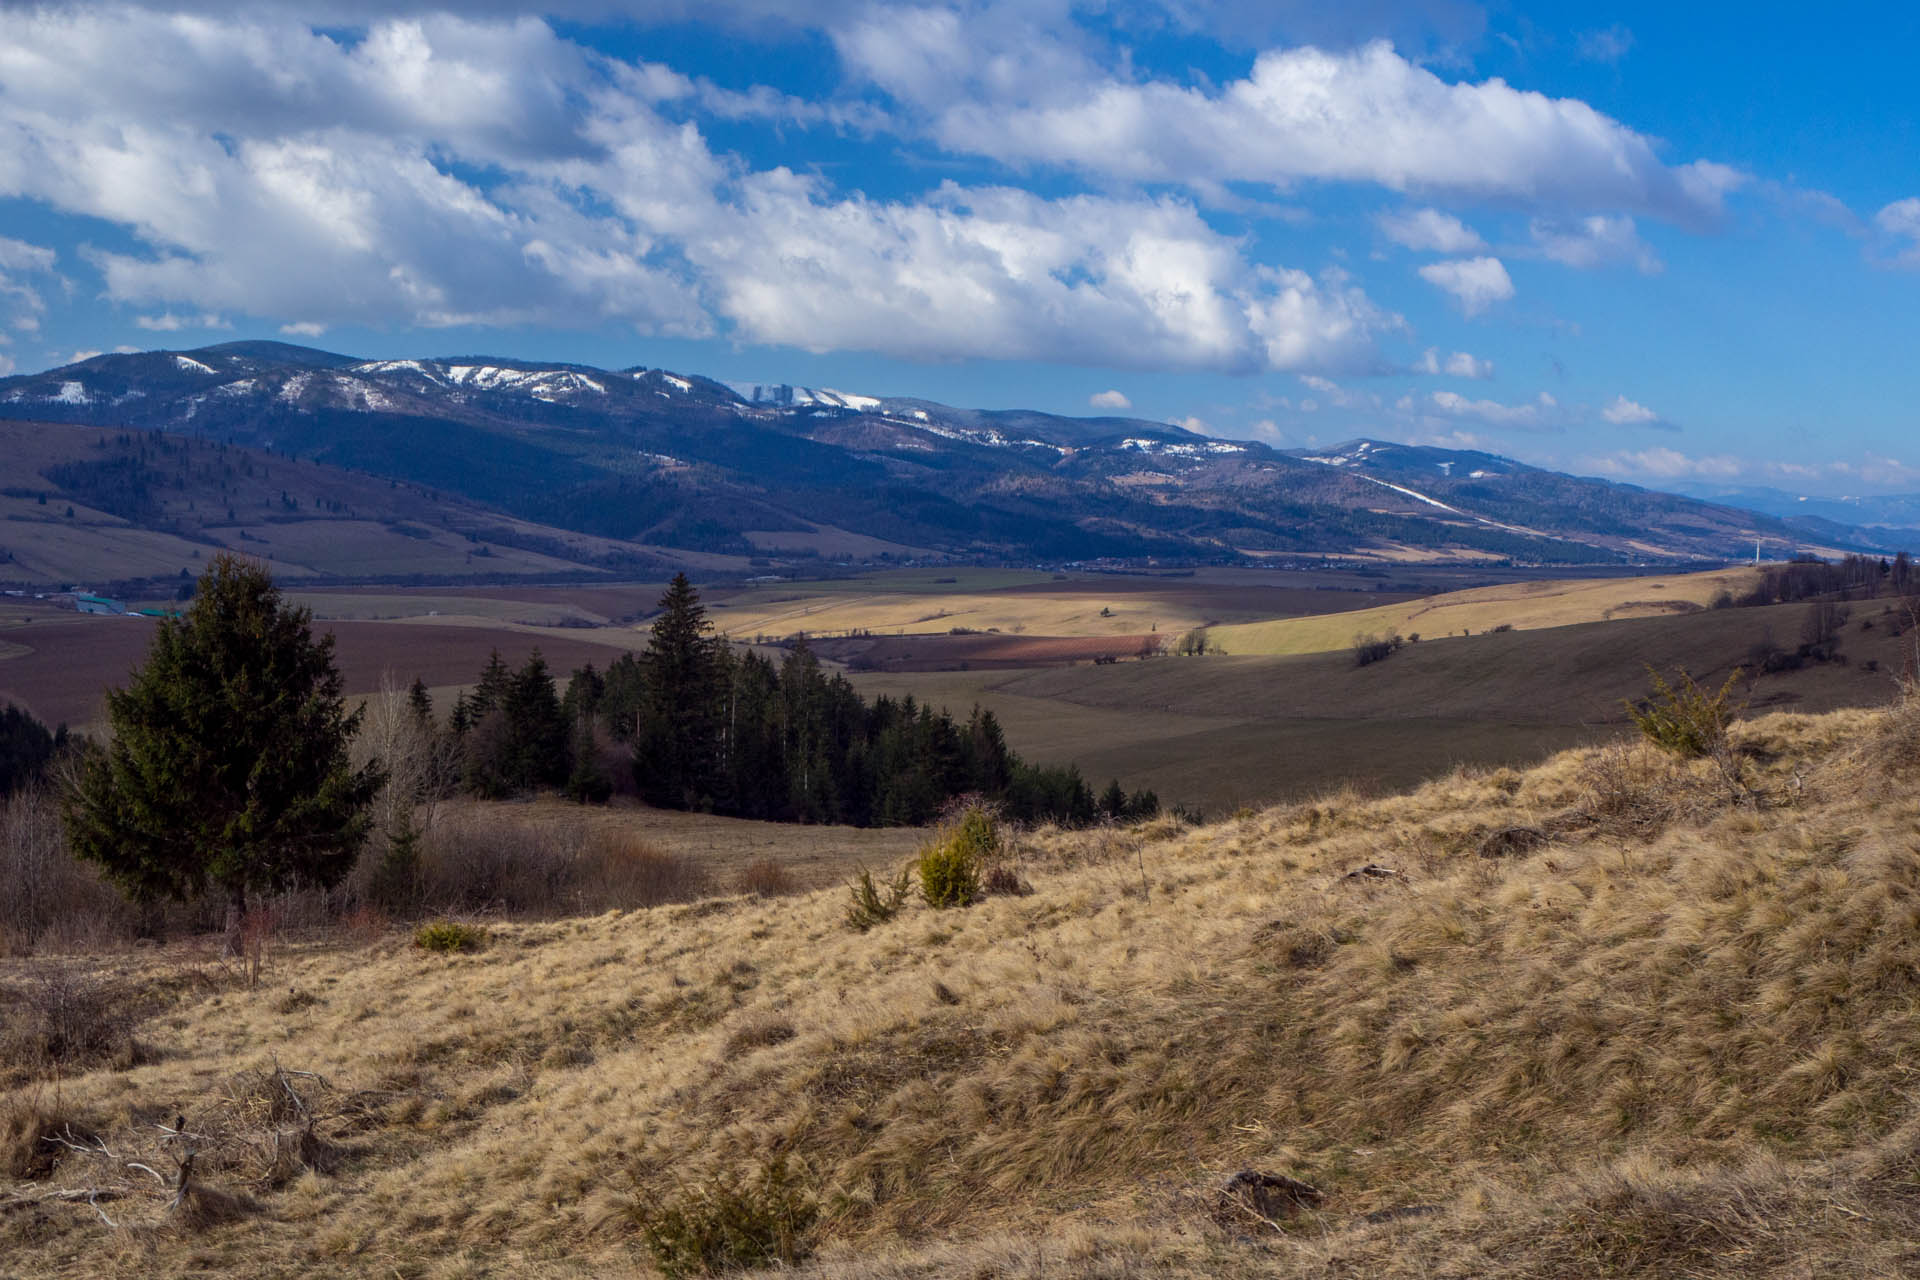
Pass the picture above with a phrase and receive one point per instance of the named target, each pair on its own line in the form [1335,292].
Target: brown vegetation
[1658,1034]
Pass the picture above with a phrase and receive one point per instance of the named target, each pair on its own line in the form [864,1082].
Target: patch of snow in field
[73,393]
[189,365]
[681,383]
[295,387]
[238,387]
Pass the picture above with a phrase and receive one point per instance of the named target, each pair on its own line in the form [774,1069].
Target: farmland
[1217,732]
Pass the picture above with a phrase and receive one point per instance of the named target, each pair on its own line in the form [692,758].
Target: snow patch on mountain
[73,393]
[784,396]
[1416,495]
[1180,449]
[188,364]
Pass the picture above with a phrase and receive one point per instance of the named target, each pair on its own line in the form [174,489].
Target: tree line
[705,728]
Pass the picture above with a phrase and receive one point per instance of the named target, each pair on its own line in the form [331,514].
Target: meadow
[1618,1014]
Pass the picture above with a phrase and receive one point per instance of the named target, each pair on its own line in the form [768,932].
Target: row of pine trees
[710,729]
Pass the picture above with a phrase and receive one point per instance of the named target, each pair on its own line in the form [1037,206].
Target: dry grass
[1523,606]
[1671,1037]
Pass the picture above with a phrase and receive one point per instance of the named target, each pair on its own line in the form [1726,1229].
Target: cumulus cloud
[1109,400]
[1596,241]
[1429,230]
[1476,283]
[442,171]
[1623,412]
[1531,415]
[1461,364]
[1022,94]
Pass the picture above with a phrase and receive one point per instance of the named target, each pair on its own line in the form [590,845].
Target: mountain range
[660,466]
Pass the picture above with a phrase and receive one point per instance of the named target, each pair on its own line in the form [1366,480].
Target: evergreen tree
[228,766]
[676,742]
[26,748]
[420,701]
[588,782]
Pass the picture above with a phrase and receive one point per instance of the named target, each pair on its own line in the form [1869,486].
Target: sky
[1672,244]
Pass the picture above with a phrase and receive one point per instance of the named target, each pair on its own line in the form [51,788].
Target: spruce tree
[228,767]
[676,742]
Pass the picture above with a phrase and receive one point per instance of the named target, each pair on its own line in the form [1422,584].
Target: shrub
[1688,721]
[63,1018]
[1369,648]
[766,878]
[722,1225]
[446,937]
[950,868]
[873,904]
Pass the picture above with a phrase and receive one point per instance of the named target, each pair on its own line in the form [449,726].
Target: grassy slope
[1673,1040]
[1523,606]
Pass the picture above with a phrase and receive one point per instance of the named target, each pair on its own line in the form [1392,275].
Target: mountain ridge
[685,461]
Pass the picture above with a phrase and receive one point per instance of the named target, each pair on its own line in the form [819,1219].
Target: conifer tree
[228,767]
[677,738]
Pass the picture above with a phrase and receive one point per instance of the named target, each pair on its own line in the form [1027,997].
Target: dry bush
[624,870]
[27,1121]
[63,1019]
[49,900]
[478,861]
[766,878]
[1628,791]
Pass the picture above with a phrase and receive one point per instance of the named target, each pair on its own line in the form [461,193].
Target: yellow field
[376,607]
[1522,606]
[1604,1018]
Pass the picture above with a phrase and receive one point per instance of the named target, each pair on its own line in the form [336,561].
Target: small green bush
[723,1226]
[873,904]
[1688,721]
[951,867]
[446,937]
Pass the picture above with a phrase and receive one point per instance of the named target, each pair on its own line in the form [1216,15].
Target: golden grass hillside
[1523,606]
[1615,1015]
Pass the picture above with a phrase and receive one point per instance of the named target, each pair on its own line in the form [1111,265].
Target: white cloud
[168,322]
[1109,400]
[1020,93]
[303,329]
[1322,385]
[85,353]
[1627,413]
[1193,424]
[1461,364]
[1595,241]
[1429,230]
[1532,415]
[1900,221]
[1478,283]
[449,172]
[1665,465]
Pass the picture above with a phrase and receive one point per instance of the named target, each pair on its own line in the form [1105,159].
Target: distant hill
[685,463]
[99,506]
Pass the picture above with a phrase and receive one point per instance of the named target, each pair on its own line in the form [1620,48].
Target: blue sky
[1678,244]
